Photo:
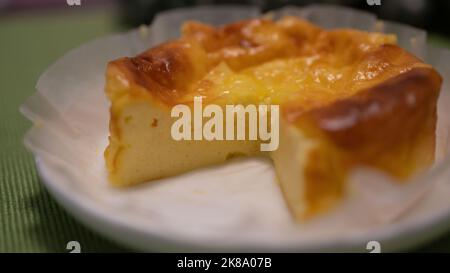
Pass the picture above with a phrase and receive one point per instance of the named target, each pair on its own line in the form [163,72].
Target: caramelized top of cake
[288,61]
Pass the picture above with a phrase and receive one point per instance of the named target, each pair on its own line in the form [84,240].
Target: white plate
[234,207]
[428,220]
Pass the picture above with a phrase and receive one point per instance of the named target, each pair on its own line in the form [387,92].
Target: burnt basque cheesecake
[347,98]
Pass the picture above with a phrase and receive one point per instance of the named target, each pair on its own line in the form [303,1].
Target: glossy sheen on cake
[347,98]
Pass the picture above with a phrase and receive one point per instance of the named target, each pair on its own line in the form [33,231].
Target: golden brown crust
[381,126]
[169,70]
[166,70]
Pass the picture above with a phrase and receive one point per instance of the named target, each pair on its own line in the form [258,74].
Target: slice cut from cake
[347,98]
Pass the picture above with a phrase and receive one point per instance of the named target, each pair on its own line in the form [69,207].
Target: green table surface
[30,220]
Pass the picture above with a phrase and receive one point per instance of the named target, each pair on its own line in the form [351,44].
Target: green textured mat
[30,220]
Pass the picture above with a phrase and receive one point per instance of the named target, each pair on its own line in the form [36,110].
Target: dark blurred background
[430,15]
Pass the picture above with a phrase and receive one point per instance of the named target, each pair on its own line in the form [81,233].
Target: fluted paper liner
[231,205]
